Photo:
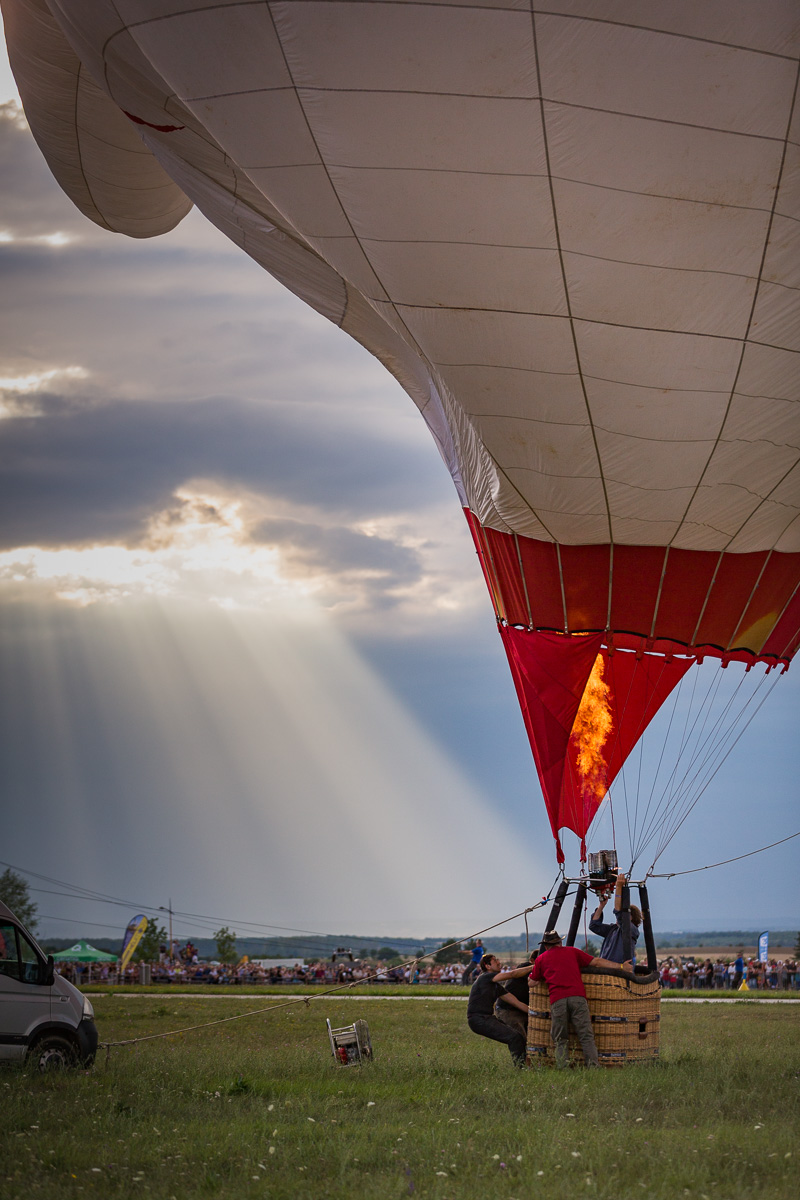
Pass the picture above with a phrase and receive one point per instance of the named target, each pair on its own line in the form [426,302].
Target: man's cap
[552,938]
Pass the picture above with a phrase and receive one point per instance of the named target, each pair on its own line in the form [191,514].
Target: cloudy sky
[247,659]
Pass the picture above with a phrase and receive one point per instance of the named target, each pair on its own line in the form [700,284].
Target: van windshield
[18,959]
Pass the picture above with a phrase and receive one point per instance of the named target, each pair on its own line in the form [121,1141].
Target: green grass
[257,1108]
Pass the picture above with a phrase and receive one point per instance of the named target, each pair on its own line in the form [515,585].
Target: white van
[43,1018]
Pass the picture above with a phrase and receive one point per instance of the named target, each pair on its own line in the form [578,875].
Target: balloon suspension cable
[647,821]
[710,866]
[713,758]
[705,740]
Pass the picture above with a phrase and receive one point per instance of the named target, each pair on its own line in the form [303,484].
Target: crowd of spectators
[675,973]
[316,973]
[721,975]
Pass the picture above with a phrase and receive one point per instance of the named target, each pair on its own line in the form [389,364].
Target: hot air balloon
[572,235]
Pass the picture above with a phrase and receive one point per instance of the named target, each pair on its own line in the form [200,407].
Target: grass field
[257,1108]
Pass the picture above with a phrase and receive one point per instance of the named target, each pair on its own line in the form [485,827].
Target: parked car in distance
[44,1019]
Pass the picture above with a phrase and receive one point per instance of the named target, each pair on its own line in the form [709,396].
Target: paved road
[252,996]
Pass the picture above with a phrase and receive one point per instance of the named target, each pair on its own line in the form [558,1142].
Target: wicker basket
[625,1020]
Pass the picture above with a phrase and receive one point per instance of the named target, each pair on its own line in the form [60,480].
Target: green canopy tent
[83,952]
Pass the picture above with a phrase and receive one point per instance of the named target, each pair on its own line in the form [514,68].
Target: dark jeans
[490,1027]
[514,1018]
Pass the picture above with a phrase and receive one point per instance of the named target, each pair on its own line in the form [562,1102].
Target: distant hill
[323,947]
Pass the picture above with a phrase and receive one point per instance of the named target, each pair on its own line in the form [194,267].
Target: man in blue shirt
[612,934]
[738,971]
[474,964]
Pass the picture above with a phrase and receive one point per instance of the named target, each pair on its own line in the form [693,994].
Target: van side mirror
[48,971]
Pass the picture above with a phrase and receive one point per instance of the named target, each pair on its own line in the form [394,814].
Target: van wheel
[53,1053]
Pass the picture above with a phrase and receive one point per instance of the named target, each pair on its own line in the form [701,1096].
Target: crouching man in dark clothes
[560,967]
[517,986]
[480,1009]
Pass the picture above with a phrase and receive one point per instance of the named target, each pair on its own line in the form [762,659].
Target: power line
[247,928]
[74,920]
[79,892]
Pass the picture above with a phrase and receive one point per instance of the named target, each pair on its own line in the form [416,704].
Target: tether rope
[149,1037]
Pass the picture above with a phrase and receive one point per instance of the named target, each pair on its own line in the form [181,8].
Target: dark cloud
[82,473]
[321,548]
[32,202]
[193,363]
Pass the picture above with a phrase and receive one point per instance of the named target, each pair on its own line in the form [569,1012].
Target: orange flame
[592,728]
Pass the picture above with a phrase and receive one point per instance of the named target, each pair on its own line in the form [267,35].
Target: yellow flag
[133,935]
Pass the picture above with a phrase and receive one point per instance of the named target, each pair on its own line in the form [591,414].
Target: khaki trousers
[572,1010]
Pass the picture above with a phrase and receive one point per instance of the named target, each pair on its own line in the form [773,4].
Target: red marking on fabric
[159,128]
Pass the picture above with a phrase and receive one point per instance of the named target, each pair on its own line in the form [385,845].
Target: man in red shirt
[560,967]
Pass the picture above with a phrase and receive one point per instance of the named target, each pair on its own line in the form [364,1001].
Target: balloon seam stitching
[563,590]
[658,594]
[524,581]
[745,338]
[749,600]
[554,210]
[671,33]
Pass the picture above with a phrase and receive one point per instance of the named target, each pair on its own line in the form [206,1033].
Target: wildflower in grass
[442,1173]
[540,1172]
[272,1150]
[370,1104]
[576,1153]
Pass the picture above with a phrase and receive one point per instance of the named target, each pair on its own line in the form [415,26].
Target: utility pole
[171,946]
